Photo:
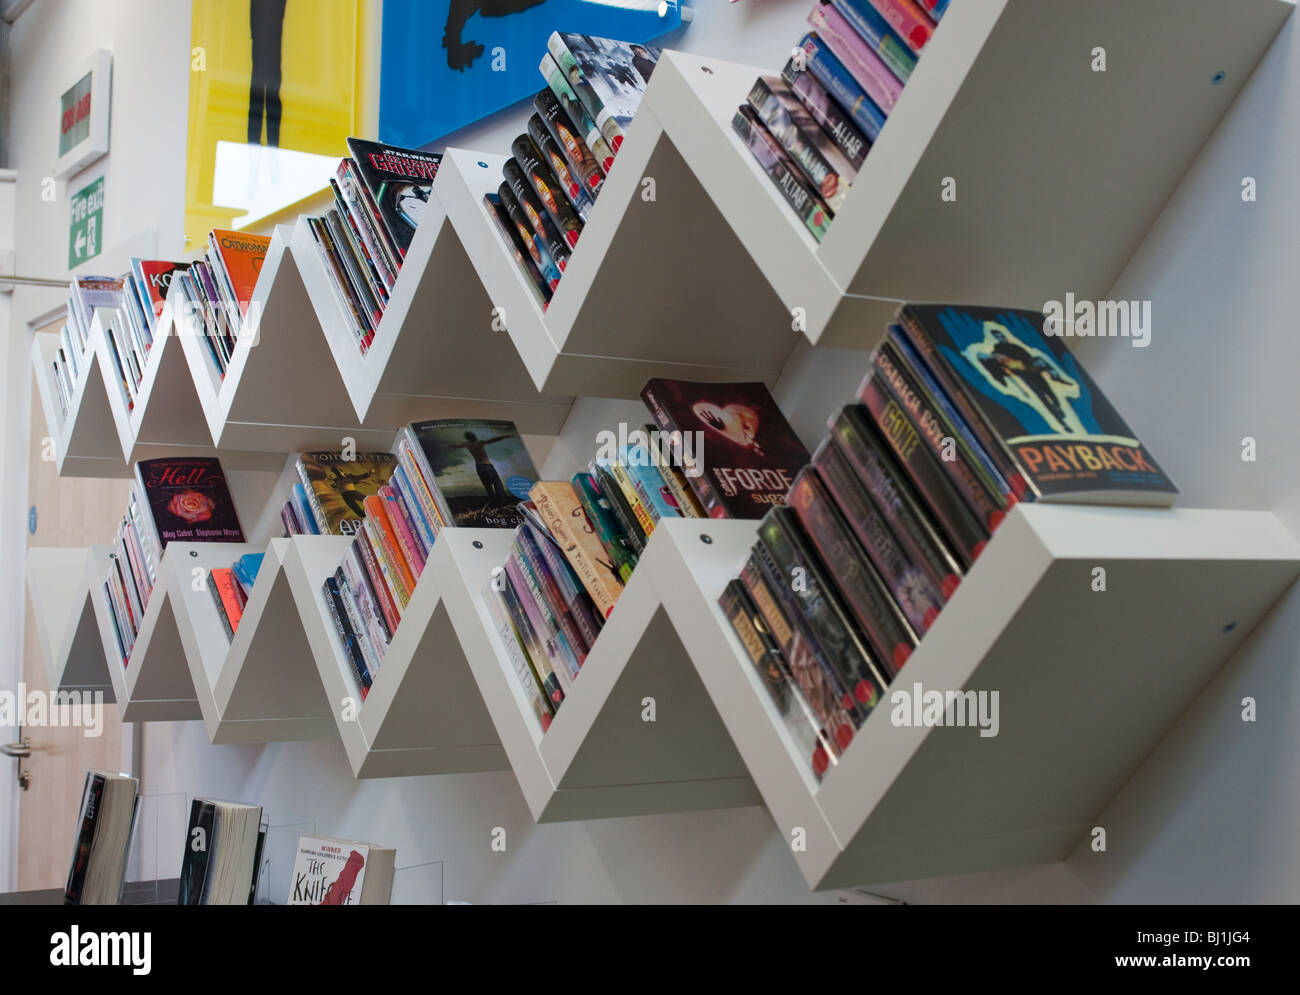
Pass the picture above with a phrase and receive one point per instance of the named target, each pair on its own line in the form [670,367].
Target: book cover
[818,60]
[616,73]
[246,569]
[577,114]
[517,651]
[522,253]
[628,526]
[328,872]
[537,655]
[1044,411]
[539,221]
[92,795]
[231,609]
[92,292]
[850,575]
[601,517]
[154,277]
[568,524]
[480,469]
[337,488]
[555,157]
[881,85]
[591,103]
[546,266]
[781,170]
[347,637]
[811,149]
[400,181]
[746,456]
[188,500]
[242,255]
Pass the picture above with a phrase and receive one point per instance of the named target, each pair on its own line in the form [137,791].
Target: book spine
[348,639]
[865,676]
[908,582]
[554,156]
[221,606]
[957,521]
[943,440]
[92,799]
[547,636]
[565,661]
[386,554]
[546,677]
[881,85]
[417,517]
[543,228]
[858,442]
[934,8]
[408,546]
[831,74]
[543,182]
[363,224]
[781,171]
[650,483]
[699,482]
[354,569]
[413,464]
[811,675]
[576,151]
[523,259]
[645,519]
[765,657]
[577,114]
[799,144]
[555,602]
[851,576]
[537,251]
[602,519]
[312,500]
[355,238]
[359,628]
[339,283]
[290,522]
[519,662]
[378,581]
[879,36]
[627,522]
[371,309]
[575,595]
[908,21]
[562,527]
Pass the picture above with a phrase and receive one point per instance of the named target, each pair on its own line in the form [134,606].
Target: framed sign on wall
[84,114]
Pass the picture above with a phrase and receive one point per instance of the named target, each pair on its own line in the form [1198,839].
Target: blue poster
[445,64]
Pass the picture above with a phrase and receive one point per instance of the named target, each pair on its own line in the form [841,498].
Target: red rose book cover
[189,500]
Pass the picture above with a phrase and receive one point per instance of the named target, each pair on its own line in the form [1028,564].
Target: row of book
[965,412]
[218,292]
[137,299]
[231,587]
[593,88]
[811,127]
[446,472]
[222,856]
[380,196]
[582,538]
[182,499]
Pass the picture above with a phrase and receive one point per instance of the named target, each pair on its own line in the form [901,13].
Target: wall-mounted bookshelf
[1007,103]
[62,582]
[85,440]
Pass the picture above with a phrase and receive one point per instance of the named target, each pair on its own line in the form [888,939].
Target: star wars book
[765,655]
[341,872]
[850,575]
[188,501]
[539,221]
[337,487]
[742,454]
[578,115]
[555,157]
[1038,405]
[532,243]
[479,470]
[400,182]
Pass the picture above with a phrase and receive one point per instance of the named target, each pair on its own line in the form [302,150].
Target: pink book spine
[410,548]
[872,74]
[911,23]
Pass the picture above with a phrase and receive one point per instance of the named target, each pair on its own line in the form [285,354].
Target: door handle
[20,751]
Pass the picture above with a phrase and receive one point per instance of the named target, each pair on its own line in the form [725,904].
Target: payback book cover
[1048,414]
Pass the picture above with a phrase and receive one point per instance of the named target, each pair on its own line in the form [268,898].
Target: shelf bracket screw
[194,553]
[706,539]
[706,69]
[478,544]
[1218,78]
[482,164]
[1229,627]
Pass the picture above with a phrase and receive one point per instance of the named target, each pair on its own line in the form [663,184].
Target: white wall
[1213,813]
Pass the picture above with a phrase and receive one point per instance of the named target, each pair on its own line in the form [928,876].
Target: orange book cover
[242,255]
[375,510]
[229,600]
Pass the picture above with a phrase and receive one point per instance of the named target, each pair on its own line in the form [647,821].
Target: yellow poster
[274,92]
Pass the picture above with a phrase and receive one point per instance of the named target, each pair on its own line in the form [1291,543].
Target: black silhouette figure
[266,28]
[1009,360]
[487,473]
[461,54]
